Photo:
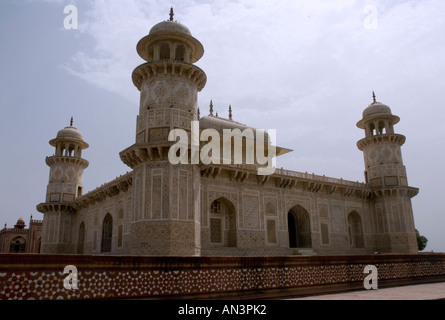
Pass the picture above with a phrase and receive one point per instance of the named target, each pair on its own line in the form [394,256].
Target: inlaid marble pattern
[101,277]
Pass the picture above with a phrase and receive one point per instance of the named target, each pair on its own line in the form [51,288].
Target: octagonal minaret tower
[64,186]
[166,204]
[386,175]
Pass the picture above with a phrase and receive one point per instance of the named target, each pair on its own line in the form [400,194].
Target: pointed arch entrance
[223,223]
[299,227]
[18,245]
[355,229]
[81,239]
[107,232]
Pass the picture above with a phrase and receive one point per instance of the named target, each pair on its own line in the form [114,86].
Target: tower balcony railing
[149,69]
[14,230]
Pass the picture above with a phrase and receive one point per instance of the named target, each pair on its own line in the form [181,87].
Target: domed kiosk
[377,118]
[69,141]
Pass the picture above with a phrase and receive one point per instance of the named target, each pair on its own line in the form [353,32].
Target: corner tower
[64,186]
[166,202]
[169,82]
[386,175]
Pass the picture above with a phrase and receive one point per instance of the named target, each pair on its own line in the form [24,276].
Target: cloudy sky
[304,67]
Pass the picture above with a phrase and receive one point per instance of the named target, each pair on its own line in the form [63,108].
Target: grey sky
[306,68]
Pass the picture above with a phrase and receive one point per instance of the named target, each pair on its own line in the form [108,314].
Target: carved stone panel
[251,219]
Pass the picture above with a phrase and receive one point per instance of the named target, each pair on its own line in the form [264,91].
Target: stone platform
[41,276]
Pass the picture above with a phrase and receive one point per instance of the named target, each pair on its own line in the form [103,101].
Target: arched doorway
[17,245]
[107,232]
[355,230]
[81,240]
[299,227]
[164,52]
[39,244]
[223,223]
[180,53]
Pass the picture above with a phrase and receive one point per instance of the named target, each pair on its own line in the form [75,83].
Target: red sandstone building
[20,239]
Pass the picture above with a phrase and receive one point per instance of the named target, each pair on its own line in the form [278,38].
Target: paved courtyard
[429,291]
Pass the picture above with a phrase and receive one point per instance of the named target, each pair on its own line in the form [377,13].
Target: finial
[199,114]
[230,112]
[373,97]
[171,14]
[211,107]
[71,122]
[216,114]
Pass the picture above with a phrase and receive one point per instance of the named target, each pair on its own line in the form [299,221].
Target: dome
[69,133]
[375,109]
[20,224]
[170,27]
[219,124]
[172,31]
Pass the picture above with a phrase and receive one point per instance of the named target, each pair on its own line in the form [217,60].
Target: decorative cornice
[110,189]
[179,68]
[48,207]
[291,180]
[139,153]
[381,138]
[66,159]
[392,192]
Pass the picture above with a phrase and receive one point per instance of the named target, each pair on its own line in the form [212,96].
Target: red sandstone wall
[40,276]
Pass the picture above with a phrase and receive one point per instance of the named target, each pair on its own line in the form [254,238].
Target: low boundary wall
[41,276]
